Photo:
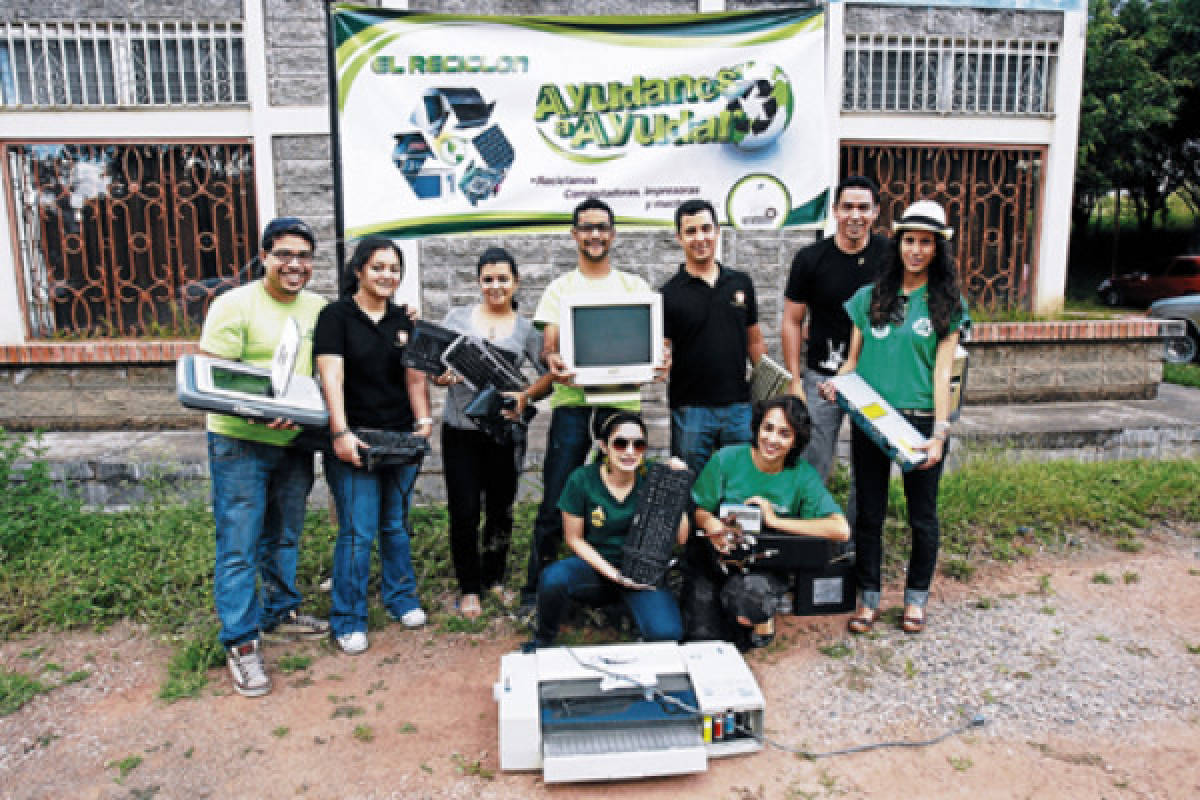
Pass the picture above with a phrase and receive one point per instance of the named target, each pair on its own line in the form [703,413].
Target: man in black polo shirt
[824,275]
[710,317]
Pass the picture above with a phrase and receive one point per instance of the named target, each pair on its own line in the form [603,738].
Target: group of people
[890,311]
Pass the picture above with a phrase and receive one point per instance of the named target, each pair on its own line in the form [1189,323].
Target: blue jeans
[822,445]
[370,504]
[567,446]
[697,431]
[259,492]
[872,469]
[654,610]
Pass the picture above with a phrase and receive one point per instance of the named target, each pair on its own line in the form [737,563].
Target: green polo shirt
[605,520]
[897,360]
[731,477]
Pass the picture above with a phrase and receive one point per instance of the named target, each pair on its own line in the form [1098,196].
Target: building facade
[144,144]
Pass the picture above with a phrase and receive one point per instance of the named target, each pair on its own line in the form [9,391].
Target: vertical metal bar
[212,60]
[180,40]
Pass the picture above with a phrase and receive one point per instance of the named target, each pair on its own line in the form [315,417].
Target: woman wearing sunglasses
[906,330]
[481,472]
[725,602]
[598,504]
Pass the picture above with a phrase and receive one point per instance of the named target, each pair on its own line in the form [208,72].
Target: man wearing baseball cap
[260,485]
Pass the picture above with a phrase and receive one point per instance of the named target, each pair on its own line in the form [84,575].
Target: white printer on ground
[625,710]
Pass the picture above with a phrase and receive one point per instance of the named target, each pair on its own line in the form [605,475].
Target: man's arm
[756,345]
[792,332]
[550,355]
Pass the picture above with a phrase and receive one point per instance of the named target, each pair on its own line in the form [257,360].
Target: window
[63,64]
[925,74]
[129,240]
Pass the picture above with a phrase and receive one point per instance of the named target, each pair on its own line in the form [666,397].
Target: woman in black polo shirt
[358,345]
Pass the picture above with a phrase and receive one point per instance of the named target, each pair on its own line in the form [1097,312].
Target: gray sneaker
[246,666]
[295,625]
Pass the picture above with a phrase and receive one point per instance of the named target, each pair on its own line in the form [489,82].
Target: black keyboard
[481,365]
[663,497]
[424,351]
[494,148]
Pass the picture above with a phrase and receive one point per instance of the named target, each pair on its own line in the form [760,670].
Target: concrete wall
[93,397]
[132,10]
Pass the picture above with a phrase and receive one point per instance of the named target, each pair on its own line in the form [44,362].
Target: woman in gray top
[481,472]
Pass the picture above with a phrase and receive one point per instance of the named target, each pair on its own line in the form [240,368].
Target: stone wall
[89,397]
[126,10]
[1002,23]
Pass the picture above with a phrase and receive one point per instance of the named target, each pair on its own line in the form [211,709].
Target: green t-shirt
[605,521]
[244,324]
[897,360]
[549,313]
[731,477]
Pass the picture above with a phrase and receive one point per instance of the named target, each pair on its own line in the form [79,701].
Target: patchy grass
[1182,374]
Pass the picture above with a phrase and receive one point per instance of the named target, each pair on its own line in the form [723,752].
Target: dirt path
[1090,689]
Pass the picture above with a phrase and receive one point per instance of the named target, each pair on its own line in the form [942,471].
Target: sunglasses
[621,443]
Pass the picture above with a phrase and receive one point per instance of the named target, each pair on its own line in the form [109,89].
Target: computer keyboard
[425,348]
[663,497]
[481,365]
[494,148]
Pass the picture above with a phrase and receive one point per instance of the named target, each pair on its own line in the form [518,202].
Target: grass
[68,568]
[1182,374]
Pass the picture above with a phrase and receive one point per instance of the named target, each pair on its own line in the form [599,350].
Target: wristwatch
[424,421]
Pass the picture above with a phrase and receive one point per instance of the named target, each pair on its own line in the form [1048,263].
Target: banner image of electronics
[450,124]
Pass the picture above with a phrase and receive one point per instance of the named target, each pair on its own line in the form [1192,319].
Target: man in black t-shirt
[710,317]
[824,275]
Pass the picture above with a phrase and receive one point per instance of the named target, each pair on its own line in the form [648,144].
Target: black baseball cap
[281,226]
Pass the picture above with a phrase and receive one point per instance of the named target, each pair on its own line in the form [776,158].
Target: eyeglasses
[621,443]
[288,256]
[497,280]
[598,227]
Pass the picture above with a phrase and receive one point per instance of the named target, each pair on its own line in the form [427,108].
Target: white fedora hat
[924,215]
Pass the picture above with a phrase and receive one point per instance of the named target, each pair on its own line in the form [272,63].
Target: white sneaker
[325,585]
[246,666]
[353,644]
[413,619]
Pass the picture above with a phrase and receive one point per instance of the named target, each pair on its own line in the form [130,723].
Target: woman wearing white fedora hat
[906,329]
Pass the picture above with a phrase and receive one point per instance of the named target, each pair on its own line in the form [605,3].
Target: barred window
[947,75]
[89,64]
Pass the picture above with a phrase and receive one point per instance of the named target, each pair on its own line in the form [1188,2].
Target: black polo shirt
[376,395]
[824,278]
[707,328]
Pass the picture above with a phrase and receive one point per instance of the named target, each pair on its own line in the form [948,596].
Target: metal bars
[949,75]
[90,64]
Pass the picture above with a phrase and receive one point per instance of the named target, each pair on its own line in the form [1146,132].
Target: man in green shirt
[260,485]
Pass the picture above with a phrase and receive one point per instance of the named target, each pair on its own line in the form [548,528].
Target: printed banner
[470,124]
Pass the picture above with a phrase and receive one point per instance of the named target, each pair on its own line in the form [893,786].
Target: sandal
[863,620]
[469,606]
[911,622]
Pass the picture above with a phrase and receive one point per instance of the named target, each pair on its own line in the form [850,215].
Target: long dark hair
[944,294]
[498,255]
[796,414]
[366,247]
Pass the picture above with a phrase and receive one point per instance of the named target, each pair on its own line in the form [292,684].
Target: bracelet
[340,434]
[424,421]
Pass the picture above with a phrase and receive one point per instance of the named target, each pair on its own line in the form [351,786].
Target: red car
[1181,276]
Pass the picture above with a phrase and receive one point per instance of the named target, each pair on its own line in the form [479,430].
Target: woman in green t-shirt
[722,603]
[597,505]
[906,329]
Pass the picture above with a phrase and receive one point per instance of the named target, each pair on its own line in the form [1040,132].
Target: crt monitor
[612,339]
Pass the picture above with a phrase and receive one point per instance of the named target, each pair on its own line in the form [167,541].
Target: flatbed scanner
[625,710]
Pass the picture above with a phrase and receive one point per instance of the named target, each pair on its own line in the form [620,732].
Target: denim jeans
[475,467]
[822,446]
[259,492]
[697,431]
[654,610]
[370,504]
[567,446]
[872,468]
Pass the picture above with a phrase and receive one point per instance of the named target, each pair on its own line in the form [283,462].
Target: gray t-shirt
[524,343]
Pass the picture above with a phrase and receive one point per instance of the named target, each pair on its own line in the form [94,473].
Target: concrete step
[119,468]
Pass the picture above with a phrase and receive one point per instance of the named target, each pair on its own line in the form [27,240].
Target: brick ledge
[1075,330]
[95,352]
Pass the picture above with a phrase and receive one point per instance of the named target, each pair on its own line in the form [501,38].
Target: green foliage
[1182,374]
[187,671]
[17,689]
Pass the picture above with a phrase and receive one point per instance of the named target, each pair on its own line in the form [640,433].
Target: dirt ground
[414,716]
